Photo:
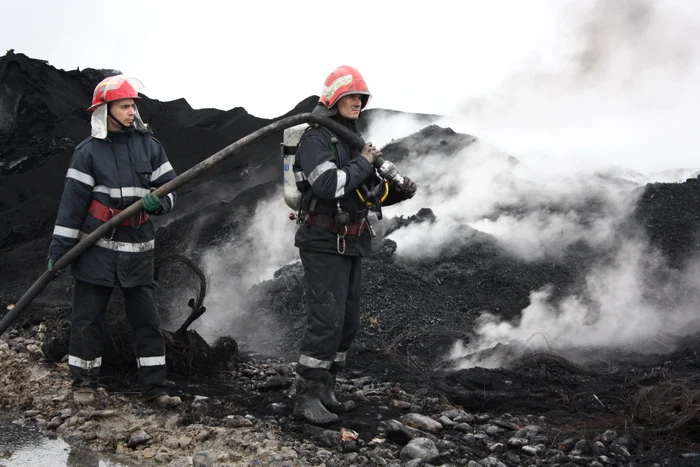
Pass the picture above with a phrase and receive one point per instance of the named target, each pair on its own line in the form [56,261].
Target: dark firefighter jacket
[116,171]
[332,180]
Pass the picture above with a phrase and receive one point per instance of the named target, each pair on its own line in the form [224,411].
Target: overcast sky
[616,78]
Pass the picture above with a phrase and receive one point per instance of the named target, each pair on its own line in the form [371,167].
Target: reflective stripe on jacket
[116,171]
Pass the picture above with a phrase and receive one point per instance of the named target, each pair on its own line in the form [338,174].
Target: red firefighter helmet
[114,88]
[342,81]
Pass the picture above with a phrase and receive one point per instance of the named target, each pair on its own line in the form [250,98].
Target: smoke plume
[608,109]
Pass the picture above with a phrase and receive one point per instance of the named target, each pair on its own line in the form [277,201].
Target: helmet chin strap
[109,114]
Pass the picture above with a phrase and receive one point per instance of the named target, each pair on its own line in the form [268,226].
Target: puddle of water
[23,445]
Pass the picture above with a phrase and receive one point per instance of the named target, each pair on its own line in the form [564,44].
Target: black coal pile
[542,406]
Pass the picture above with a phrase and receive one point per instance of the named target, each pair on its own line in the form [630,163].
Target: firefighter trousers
[333,286]
[87,334]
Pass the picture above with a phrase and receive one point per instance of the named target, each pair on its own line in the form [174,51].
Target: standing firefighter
[116,166]
[338,183]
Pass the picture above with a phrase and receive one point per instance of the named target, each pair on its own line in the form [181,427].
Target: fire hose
[385,168]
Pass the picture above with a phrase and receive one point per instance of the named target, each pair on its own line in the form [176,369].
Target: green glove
[150,203]
[51,261]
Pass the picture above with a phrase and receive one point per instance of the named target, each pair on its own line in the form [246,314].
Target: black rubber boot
[329,400]
[308,403]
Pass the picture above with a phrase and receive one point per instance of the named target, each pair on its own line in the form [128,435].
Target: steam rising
[583,128]
[266,244]
[563,146]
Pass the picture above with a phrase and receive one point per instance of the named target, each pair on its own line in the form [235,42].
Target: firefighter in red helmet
[116,166]
[333,238]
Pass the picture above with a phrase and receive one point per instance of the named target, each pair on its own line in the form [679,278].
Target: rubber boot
[329,400]
[308,403]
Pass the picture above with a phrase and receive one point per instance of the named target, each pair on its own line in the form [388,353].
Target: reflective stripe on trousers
[84,364]
[150,361]
[311,362]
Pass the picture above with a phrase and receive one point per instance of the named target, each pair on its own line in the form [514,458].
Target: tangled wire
[668,406]
[595,367]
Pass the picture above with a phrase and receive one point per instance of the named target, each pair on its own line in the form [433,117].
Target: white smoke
[618,84]
[265,245]
[618,308]
[610,107]
[476,185]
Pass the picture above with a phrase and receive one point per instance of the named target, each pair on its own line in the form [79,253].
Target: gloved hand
[370,152]
[409,186]
[150,203]
[50,269]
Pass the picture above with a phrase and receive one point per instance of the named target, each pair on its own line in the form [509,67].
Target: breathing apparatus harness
[339,221]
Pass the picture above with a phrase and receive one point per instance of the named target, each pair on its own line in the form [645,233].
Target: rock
[102,414]
[533,429]
[620,450]
[464,428]
[482,417]
[54,423]
[138,438]
[419,448]
[581,447]
[491,462]
[475,440]
[422,422]
[185,441]
[276,383]
[162,457]
[397,433]
[363,381]
[497,448]
[598,448]
[237,421]
[500,422]
[31,413]
[171,442]
[530,450]
[452,414]
[622,446]
[62,428]
[202,459]
[608,436]
[516,443]
[464,417]
[493,430]
[276,408]
[567,444]
[403,405]
[579,460]
[446,422]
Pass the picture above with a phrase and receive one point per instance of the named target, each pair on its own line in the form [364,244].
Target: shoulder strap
[334,142]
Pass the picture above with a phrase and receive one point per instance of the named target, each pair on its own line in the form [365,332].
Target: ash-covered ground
[512,315]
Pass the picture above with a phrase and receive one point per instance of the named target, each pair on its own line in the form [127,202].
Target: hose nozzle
[389,172]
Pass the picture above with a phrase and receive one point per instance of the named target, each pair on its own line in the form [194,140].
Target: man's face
[123,110]
[349,106]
